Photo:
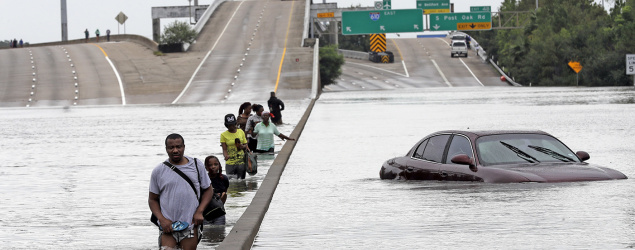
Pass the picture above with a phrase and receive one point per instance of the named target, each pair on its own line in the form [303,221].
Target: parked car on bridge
[458,37]
[496,157]
[458,48]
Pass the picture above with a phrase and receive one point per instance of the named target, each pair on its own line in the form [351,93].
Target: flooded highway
[330,195]
[77,178]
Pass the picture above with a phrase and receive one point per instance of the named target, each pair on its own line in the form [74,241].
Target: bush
[178,33]
[330,64]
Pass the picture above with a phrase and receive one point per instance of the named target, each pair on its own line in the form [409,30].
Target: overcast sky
[39,21]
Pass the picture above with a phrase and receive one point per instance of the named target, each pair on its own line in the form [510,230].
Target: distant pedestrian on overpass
[86,34]
[108,35]
[97,34]
[275,106]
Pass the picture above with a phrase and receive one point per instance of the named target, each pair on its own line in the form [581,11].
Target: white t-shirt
[178,200]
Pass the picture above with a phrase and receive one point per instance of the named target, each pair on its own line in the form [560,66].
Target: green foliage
[355,42]
[330,64]
[561,31]
[178,32]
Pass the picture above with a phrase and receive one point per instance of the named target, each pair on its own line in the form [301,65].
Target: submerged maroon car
[494,156]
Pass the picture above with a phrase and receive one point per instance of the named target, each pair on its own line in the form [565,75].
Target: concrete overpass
[267,34]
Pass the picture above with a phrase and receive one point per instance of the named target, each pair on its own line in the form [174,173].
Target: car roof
[479,133]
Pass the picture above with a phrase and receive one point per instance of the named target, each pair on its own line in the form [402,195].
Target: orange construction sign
[575,66]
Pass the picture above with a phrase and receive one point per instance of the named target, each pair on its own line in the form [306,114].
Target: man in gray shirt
[178,202]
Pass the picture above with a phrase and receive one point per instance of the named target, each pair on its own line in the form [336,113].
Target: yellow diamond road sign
[575,66]
[121,18]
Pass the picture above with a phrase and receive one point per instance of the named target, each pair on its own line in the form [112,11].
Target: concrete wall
[142,40]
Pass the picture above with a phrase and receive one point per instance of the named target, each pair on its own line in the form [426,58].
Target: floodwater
[330,195]
[77,178]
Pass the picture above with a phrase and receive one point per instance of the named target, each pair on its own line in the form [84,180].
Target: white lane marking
[468,69]
[446,42]
[376,68]
[441,72]
[123,96]
[208,53]
[404,68]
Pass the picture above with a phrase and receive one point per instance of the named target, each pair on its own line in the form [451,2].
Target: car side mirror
[464,160]
[583,155]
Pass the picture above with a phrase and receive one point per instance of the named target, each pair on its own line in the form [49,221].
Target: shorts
[238,170]
[185,234]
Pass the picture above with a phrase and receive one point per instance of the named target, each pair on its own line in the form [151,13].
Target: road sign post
[576,66]
[460,21]
[630,66]
[121,19]
[381,21]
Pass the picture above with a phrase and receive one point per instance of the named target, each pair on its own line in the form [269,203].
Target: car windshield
[458,44]
[522,148]
[458,38]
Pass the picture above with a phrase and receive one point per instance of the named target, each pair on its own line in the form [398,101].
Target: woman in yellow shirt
[233,152]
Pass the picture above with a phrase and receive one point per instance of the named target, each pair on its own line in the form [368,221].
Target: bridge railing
[206,15]
[481,53]
[353,54]
[307,17]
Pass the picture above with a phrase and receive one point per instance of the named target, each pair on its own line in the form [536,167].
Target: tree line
[560,31]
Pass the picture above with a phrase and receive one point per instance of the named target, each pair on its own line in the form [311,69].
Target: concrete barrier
[243,234]
[481,53]
[353,54]
[307,17]
[142,40]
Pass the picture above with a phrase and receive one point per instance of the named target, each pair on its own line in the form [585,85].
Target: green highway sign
[381,21]
[461,21]
[387,4]
[480,8]
[434,6]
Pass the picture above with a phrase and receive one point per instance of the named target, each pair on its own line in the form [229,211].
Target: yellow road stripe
[102,50]
[285,47]
[393,42]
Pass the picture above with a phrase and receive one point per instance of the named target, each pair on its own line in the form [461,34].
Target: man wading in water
[173,201]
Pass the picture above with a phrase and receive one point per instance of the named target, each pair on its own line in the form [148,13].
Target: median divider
[243,234]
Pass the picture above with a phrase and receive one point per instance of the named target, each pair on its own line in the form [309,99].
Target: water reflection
[237,187]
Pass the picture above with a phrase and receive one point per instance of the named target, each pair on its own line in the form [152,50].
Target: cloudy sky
[39,21]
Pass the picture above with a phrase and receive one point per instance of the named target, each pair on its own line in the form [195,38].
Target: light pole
[64,21]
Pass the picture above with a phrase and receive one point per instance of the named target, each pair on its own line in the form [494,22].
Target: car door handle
[443,174]
[410,169]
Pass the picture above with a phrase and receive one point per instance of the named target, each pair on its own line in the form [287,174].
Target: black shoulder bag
[214,209]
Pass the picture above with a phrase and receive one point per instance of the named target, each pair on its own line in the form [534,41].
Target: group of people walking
[16,44]
[171,198]
[97,34]
[250,133]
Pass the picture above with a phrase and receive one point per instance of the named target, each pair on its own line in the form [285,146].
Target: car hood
[562,172]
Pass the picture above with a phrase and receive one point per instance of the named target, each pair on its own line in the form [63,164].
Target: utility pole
[64,22]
